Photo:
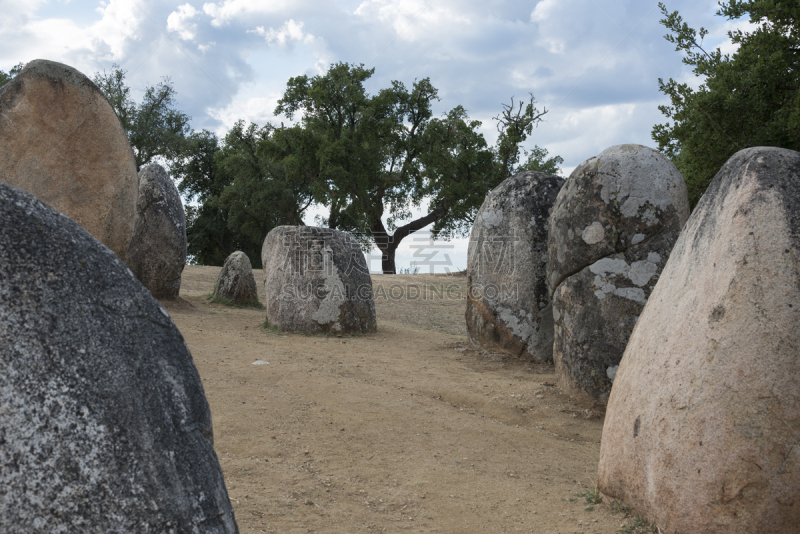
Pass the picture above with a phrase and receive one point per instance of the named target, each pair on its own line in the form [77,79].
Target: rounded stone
[317,280]
[104,425]
[157,253]
[703,423]
[236,281]
[508,305]
[61,141]
[612,228]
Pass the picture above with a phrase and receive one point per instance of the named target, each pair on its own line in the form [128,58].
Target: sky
[593,65]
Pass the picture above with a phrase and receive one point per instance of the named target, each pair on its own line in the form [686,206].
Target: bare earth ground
[410,429]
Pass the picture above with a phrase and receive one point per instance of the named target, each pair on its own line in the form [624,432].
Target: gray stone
[612,228]
[702,432]
[317,280]
[104,425]
[157,252]
[236,282]
[61,141]
[508,305]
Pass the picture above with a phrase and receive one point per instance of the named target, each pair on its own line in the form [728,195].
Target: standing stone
[317,280]
[157,253]
[611,231]
[508,305]
[702,432]
[236,282]
[61,141]
[104,425]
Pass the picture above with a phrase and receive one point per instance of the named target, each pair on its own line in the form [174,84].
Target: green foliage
[619,507]
[6,77]
[154,127]
[751,98]
[272,330]
[538,161]
[242,194]
[592,496]
[369,156]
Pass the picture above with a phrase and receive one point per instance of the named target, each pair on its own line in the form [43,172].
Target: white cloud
[245,105]
[546,12]
[223,13]
[179,22]
[118,26]
[14,15]
[289,31]
[418,20]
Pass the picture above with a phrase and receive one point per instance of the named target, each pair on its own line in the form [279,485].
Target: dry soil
[407,430]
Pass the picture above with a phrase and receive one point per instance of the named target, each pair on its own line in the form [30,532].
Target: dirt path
[409,429]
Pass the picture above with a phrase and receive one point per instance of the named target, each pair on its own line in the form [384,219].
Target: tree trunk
[387,261]
[388,244]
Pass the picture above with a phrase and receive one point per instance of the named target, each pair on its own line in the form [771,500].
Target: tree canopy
[154,126]
[6,77]
[367,157]
[749,98]
[241,194]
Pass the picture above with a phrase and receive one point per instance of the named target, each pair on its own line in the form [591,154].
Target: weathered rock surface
[508,305]
[61,141]
[702,432]
[236,281]
[611,231]
[157,252]
[103,421]
[317,280]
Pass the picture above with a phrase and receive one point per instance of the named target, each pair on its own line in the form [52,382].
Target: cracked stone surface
[317,280]
[612,228]
[157,253]
[104,425]
[508,305]
[702,430]
[61,141]
[236,281]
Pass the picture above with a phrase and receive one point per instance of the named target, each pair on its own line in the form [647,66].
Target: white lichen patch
[521,329]
[607,266]
[492,218]
[594,233]
[638,238]
[635,294]
[642,271]
[329,308]
[609,271]
[611,372]
[636,176]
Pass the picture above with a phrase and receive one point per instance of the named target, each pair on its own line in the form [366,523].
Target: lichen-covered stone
[236,282]
[702,432]
[61,141]
[104,425]
[317,280]
[157,254]
[612,228]
[508,305]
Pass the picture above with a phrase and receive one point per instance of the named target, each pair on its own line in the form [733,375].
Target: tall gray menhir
[104,425]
